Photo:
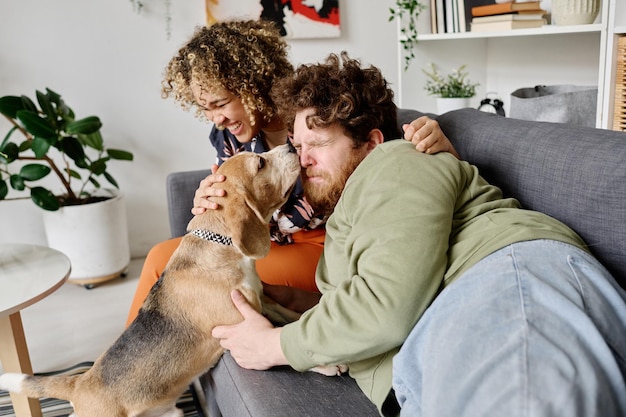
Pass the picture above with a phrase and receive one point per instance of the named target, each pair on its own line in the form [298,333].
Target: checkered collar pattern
[212,237]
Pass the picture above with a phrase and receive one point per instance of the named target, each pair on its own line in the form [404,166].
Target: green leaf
[120,154]
[46,106]
[34,172]
[40,146]
[73,174]
[8,135]
[63,110]
[44,199]
[25,145]
[99,166]
[93,140]
[4,190]
[17,182]
[85,126]
[10,105]
[73,148]
[28,104]
[95,182]
[81,163]
[35,125]
[54,97]
[111,180]
[9,152]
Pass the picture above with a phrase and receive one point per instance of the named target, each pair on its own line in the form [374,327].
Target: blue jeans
[535,329]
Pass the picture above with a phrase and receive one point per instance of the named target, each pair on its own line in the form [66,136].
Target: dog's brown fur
[170,342]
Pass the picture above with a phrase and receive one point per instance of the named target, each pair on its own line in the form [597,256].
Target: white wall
[107,60]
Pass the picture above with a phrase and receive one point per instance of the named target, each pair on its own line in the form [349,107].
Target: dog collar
[212,237]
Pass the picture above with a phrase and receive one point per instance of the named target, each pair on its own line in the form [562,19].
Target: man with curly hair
[445,299]
[225,73]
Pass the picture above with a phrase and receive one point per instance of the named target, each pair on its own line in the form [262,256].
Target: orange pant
[291,265]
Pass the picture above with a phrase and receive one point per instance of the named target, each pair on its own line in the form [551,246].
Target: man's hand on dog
[254,343]
[201,200]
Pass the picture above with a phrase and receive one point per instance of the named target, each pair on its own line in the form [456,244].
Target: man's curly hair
[342,92]
[244,57]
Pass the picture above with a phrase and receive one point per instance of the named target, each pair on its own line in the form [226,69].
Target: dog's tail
[60,387]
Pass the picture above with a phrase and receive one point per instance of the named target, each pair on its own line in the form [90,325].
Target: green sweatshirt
[406,225]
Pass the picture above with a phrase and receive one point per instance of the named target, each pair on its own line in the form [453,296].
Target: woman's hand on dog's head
[201,200]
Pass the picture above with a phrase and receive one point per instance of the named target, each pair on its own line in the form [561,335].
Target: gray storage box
[557,103]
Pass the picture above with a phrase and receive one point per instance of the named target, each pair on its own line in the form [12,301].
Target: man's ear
[374,138]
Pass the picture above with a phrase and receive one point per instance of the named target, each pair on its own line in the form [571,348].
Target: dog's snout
[290,146]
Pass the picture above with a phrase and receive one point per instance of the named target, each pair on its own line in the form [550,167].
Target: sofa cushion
[572,173]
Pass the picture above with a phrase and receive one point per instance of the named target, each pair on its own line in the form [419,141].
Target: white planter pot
[93,236]
[575,12]
[445,105]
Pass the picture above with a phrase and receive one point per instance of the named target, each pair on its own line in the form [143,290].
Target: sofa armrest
[282,392]
[180,189]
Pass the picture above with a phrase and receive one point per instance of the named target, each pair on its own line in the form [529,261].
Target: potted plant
[408,26]
[46,138]
[453,90]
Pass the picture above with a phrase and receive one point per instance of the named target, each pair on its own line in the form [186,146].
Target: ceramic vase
[445,105]
[575,12]
[93,236]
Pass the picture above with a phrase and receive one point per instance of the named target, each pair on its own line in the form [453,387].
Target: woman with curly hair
[225,73]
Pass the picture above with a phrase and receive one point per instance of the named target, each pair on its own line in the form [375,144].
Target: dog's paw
[11,382]
[331,370]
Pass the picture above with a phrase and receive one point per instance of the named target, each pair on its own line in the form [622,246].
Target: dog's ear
[251,237]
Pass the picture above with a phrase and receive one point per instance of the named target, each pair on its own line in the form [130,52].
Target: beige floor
[74,324]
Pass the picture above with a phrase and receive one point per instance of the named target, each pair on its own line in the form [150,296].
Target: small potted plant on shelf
[407,12]
[48,139]
[453,90]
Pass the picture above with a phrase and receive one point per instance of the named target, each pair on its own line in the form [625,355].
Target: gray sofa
[575,174]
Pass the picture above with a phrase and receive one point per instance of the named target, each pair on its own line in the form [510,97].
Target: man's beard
[324,197]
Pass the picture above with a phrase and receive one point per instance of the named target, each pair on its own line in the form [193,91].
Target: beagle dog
[169,344]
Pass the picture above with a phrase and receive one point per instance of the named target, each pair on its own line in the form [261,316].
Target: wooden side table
[28,273]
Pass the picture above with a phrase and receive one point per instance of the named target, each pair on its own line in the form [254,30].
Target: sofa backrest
[572,173]
[180,189]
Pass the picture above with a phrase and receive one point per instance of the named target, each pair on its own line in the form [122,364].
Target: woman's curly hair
[342,92]
[245,57]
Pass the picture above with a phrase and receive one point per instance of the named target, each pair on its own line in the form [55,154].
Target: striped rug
[51,407]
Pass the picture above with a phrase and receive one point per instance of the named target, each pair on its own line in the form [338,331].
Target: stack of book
[451,16]
[506,16]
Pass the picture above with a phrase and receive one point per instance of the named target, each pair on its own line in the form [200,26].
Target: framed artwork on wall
[297,19]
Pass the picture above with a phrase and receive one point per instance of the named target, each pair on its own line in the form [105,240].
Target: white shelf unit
[506,60]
